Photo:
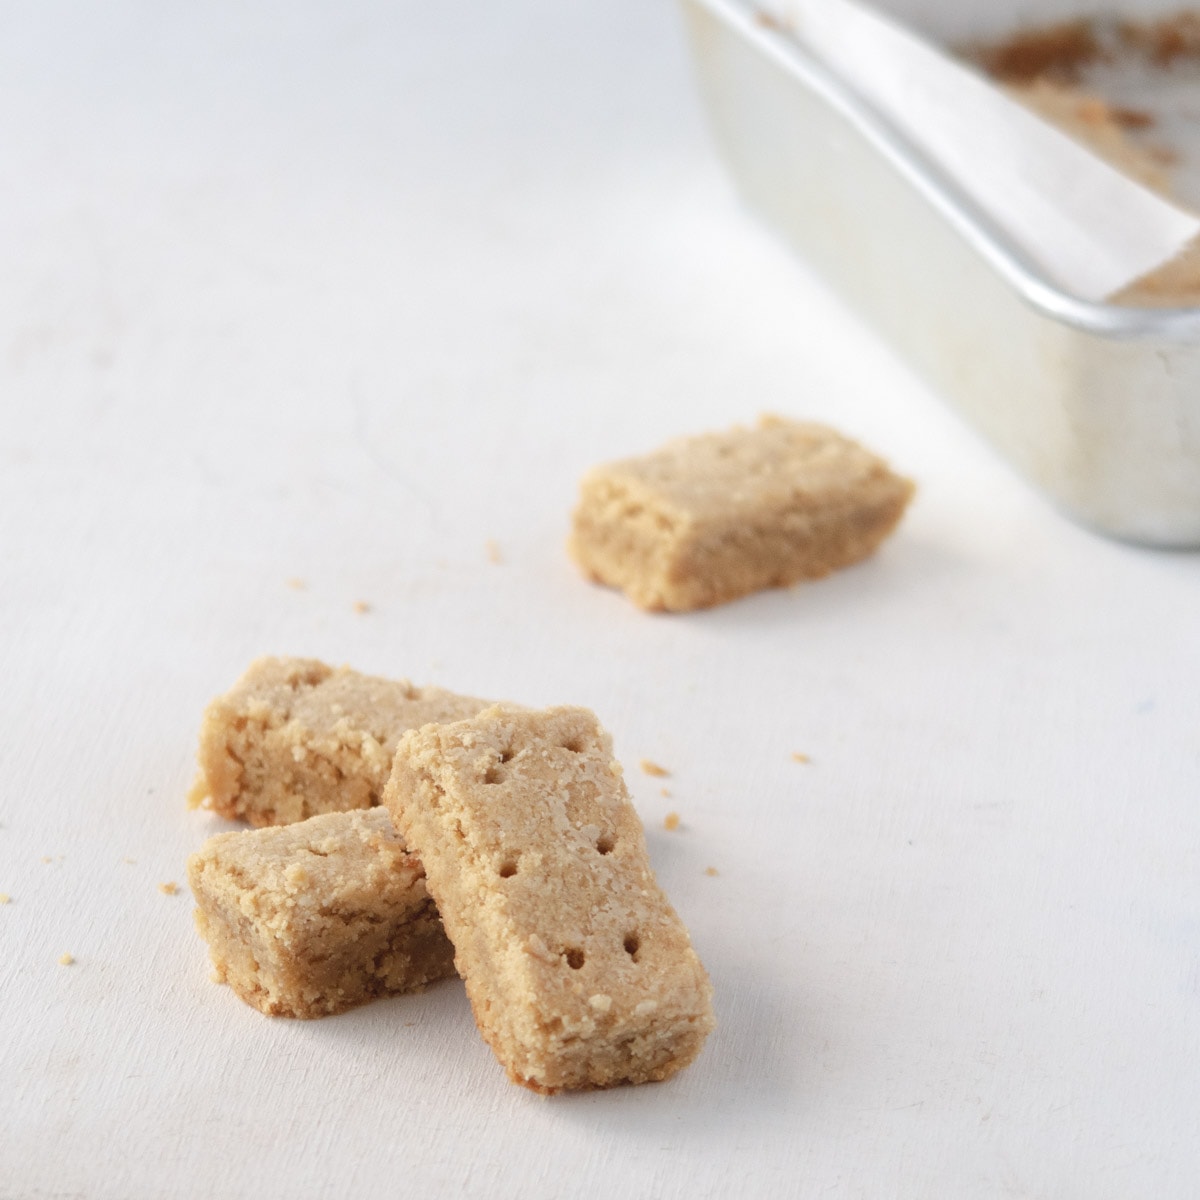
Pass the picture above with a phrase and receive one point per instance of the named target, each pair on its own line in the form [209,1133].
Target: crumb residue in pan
[1062,51]
[1056,51]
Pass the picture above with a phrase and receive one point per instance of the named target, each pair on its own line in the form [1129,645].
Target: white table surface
[338,294]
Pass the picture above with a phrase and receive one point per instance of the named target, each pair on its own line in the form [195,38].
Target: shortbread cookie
[314,918]
[579,972]
[294,738]
[708,519]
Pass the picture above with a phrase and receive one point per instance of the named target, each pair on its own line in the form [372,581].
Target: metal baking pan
[1098,405]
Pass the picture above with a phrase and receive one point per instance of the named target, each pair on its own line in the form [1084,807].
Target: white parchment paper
[1091,228]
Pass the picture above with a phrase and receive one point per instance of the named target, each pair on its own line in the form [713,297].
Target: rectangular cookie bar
[579,972]
[294,738]
[314,918]
[708,519]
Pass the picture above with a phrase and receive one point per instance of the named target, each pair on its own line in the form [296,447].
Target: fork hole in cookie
[458,831]
[574,745]
[508,868]
[507,755]
[493,775]
[604,844]
[633,945]
[575,958]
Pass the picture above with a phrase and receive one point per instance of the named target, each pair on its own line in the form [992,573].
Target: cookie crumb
[130,861]
[66,960]
[197,796]
[711,871]
[493,552]
[800,758]
[671,821]
[297,585]
[168,889]
[768,21]
[665,793]
[5,898]
[652,768]
[361,607]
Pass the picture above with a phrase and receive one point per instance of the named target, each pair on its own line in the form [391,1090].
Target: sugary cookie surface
[579,972]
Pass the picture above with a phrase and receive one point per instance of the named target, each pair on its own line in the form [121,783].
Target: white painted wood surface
[338,294]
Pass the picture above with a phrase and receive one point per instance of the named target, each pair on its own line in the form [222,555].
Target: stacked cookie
[506,846]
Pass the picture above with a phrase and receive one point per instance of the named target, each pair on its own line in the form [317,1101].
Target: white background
[338,293]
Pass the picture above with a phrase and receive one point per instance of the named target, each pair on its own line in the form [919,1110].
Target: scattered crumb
[665,793]
[361,606]
[5,898]
[652,768]
[198,792]
[297,585]
[168,889]
[671,821]
[711,871]
[66,960]
[130,861]
[493,552]
[801,758]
